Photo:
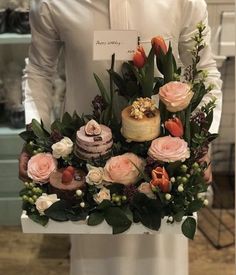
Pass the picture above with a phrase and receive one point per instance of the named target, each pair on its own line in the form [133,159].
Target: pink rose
[41,166]
[169,149]
[123,169]
[176,96]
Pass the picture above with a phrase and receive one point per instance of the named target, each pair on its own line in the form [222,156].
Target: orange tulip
[139,57]
[161,179]
[159,44]
[175,127]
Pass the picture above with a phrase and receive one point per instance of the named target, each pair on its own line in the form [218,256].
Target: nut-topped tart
[141,121]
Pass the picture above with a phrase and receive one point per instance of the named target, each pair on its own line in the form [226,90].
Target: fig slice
[92,128]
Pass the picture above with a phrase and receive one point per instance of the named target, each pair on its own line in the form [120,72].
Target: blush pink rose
[123,169]
[41,166]
[176,96]
[169,149]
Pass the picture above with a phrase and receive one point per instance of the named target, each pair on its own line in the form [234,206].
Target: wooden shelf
[14,38]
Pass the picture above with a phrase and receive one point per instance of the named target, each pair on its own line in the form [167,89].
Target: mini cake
[93,141]
[141,121]
[65,182]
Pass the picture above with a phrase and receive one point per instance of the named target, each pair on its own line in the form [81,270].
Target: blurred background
[212,251]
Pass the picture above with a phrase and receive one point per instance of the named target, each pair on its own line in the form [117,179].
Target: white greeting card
[122,43]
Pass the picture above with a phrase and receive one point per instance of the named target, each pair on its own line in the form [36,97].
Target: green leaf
[41,219]
[56,125]
[104,205]
[195,206]
[38,129]
[66,119]
[96,218]
[189,227]
[57,211]
[148,211]
[159,83]
[118,80]
[27,135]
[148,79]
[179,216]
[106,116]
[103,91]
[116,218]
[199,92]
[172,167]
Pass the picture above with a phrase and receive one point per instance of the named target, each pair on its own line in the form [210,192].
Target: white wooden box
[69,227]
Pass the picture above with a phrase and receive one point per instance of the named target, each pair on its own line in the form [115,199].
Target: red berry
[67,177]
[71,169]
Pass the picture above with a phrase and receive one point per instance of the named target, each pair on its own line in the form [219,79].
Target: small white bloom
[104,194]
[62,148]
[79,192]
[170,219]
[172,180]
[180,188]
[205,202]
[82,204]
[168,196]
[45,201]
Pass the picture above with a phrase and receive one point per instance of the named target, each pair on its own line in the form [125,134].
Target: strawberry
[71,169]
[67,177]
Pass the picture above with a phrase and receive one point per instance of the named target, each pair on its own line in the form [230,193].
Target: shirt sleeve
[41,65]
[195,11]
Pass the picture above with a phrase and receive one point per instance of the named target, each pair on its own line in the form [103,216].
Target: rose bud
[175,127]
[139,57]
[159,44]
[161,179]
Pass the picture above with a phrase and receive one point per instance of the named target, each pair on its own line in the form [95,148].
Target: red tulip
[161,179]
[139,57]
[175,127]
[159,44]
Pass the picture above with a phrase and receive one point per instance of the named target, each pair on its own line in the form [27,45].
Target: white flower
[45,201]
[95,176]
[62,148]
[104,194]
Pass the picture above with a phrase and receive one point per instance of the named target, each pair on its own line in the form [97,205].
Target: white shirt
[58,24]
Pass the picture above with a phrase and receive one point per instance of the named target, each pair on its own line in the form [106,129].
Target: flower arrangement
[86,168]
